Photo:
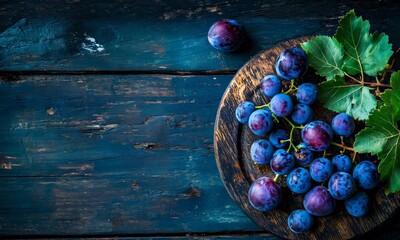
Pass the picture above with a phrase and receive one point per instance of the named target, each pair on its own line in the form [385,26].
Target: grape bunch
[304,150]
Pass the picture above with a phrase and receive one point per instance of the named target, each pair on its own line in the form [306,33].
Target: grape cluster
[310,165]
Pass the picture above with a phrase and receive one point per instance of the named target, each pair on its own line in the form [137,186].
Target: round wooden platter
[232,142]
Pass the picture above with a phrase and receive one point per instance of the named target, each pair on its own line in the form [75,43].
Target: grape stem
[263,106]
[291,145]
[276,177]
[292,87]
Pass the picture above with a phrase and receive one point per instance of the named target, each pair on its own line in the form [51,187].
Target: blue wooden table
[108,108]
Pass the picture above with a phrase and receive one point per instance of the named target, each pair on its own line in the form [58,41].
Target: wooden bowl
[232,142]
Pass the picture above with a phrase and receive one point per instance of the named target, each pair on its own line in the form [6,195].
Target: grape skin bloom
[358,205]
[226,35]
[281,105]
[260,122]
[307,93]
[243,111]
[341,185]
[271,85]
[343,124]
[291,63]
[302,114]
[321,169]
[317,135]
[366,174]
[276,136]
[282,162]
[319,202]
[264,194]
[300,221]
[299,180]
[341,163]
[261,151]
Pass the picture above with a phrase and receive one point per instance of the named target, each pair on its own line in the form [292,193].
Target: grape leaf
[355,100]
[392,97]
[382,137]
[325,55]
[364,52]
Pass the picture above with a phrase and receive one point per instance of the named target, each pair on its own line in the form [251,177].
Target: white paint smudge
[90,45]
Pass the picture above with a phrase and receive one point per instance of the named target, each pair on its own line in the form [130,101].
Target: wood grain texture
[162,34]
[111,155]
[232,143]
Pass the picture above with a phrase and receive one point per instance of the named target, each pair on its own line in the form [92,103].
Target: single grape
[291,63]
[282,162]
[264,194]
[276,136]
[281,105]
[303,155]
[302,114]
[319,202]
[317,135]
[243,111]
[343,124]
[226,35]
[260,121]
[366,174]
[271,85]
[300,221]
[341,185]
[299,180]
[341,163]
[261,151]
[321,169]
[358,205]
[307,93]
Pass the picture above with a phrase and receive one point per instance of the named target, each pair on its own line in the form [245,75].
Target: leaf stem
[343,146]
[353,78]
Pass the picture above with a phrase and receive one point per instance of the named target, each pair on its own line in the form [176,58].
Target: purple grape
[321,169]
[341,163]
[343,125]
[299,180]
[319,202]
[358,205]
[291,64]
[317,135]
[300,221]
[271,85]
[243,111]
[276,136]
[261,151]
[226,35]
[264,194]
[341,185]
[307,93]
[302,114]
[260,121]
[281,105]
[303,155]
[282,162]
[366,174]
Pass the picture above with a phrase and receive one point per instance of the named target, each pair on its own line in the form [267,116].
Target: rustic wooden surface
[108,110]
[232,144]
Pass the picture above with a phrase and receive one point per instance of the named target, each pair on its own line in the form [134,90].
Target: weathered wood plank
[162,34]
[112,155]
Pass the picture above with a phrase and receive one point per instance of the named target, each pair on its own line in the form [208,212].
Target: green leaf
[391,97]
[325,56]
[381,136]
[363,52]
[355,100]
